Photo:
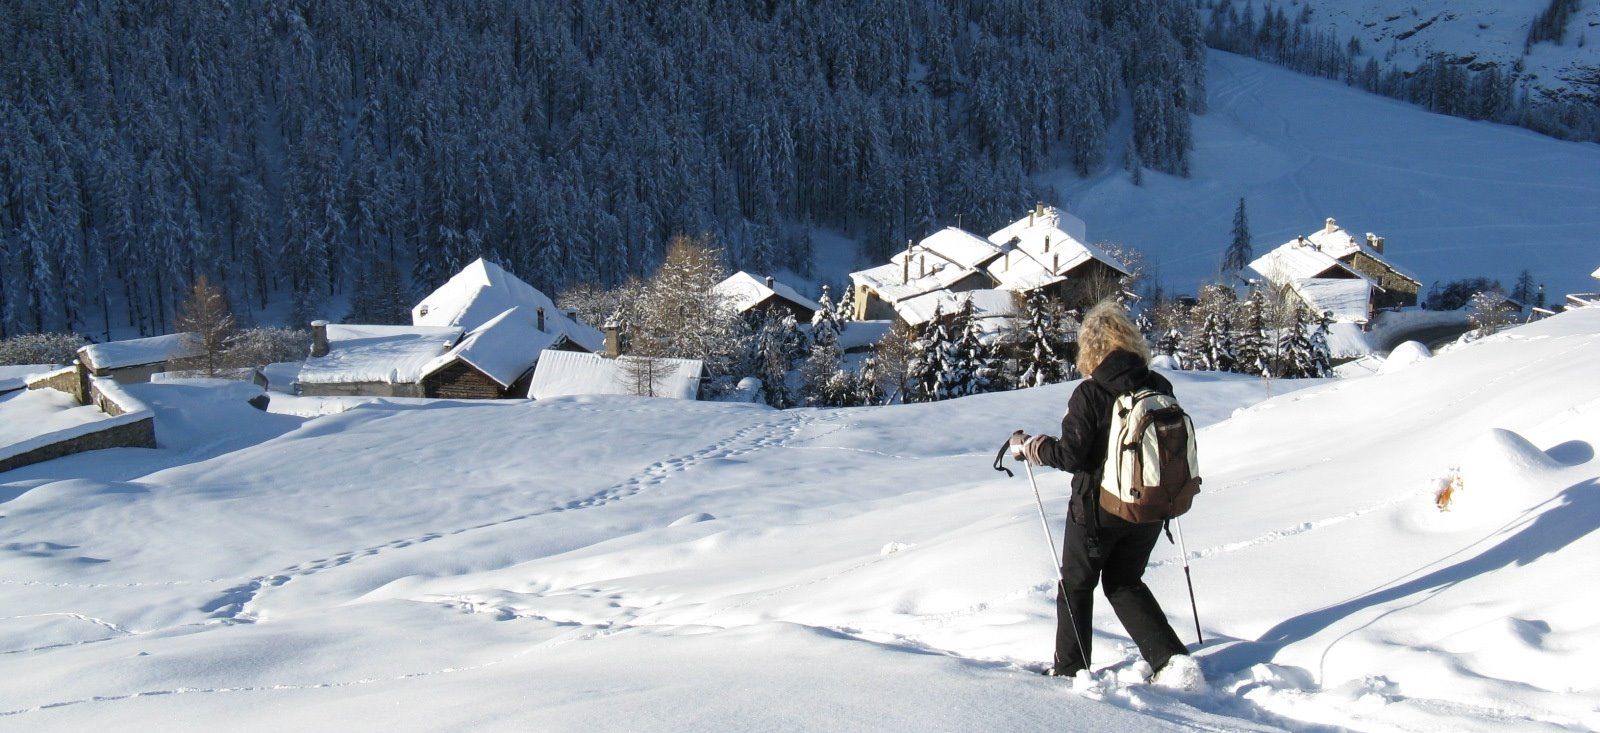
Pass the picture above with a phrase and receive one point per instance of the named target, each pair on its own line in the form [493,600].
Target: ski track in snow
[236,603]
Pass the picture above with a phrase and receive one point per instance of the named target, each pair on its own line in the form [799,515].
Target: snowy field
[1455,198]
[635,564]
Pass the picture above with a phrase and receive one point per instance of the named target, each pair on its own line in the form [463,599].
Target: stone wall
[71,380]
[131,423]
[359,389]
[140,433]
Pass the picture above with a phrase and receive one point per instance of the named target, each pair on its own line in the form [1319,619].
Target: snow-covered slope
[625,563]
[1455,198]
[1404,33]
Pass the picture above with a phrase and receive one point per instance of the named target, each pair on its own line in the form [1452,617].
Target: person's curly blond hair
[1106,329]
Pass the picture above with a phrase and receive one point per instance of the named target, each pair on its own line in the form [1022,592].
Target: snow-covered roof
[989,303]
[138,352]
[503,349]
[565,373]
[928,274]
[1048,244]
[1299,259]
[484,290]
[1338,242]
[1044,221]
[955,246]
[745,291]
[1348,299]
[389,354]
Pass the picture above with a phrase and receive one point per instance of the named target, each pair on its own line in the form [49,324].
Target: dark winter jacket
[1086,428]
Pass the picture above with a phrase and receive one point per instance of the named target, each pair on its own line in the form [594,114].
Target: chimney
[1055,264]
[1375,242]
[1038,208]
[319,338]
[769,282]
[1332,226]
[613,340]
[922,266]
[1047,243]
[540,314]
[905,265]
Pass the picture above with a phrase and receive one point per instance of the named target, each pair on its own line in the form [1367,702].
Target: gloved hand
[1028,447]
[1018,439]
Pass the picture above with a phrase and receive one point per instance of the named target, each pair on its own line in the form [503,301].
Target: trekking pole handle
[1008,447]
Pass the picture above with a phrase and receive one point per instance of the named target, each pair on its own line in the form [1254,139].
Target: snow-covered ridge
[1476,32]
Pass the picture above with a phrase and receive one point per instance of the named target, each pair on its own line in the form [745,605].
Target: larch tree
[208,324]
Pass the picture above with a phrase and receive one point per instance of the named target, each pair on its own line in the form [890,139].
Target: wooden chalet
[752,295]
[1045,251]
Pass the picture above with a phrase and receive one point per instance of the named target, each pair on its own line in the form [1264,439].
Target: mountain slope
[1455,198]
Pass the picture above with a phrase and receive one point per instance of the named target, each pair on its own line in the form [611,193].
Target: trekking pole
[1049,537]
[1190,580]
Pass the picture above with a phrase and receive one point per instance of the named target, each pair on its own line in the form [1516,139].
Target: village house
[483,290]
[749,294]
[136,360]
[1585,300]
[1045,251]
[370,360]
[1338,275]
[478,336]
[494,360]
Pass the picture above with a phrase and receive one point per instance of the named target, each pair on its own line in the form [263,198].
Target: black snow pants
[1124,550]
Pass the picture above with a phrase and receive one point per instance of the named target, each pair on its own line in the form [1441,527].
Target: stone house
[134,361]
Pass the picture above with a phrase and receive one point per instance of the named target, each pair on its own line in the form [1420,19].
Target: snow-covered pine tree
[845,311]
[1251,339]
[927,367]
[1321,359]
[817,387]
[1217,351]
[868,383]
[824,324]
[1171,343]
[1042,348]
[1237,256]
[777,346]
[1295,359]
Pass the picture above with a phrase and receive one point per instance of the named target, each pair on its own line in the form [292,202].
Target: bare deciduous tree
[209,323]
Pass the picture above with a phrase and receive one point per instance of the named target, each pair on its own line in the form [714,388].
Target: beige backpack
[1152,471]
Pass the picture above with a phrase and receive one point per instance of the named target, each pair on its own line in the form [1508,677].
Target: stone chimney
[1038,208]
[613,340]
[539,314]
[1375,242]
[319,338]
[1331,226]
[769,282]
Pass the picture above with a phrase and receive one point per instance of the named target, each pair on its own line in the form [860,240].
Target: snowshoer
[1100,547]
